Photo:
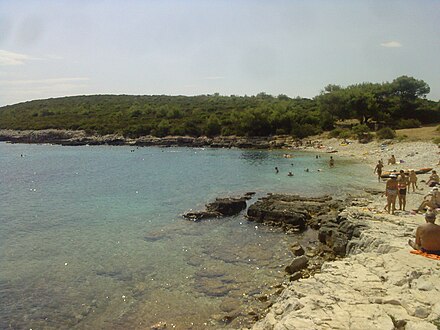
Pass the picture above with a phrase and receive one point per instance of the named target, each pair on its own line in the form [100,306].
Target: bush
[408,123]
[338,131]
[385,133]
[359,130]
[436,140]
[346,134]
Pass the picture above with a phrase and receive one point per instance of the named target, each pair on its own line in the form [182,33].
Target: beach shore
[379,284]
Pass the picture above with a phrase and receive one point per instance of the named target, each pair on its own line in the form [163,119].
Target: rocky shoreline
[79,138]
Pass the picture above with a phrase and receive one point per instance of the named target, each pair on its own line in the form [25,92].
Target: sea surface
[92,237]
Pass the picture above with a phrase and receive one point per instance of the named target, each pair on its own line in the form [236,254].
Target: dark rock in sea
[220,207]
[297,265]
[295,276]
[227,206]
[200,215]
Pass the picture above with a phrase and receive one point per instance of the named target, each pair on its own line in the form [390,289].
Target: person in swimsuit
[378,170]
[412,180]
[427,236]
[402,184]
[433,179]
[331,162]
[392,160]
[432,200]
[391,193]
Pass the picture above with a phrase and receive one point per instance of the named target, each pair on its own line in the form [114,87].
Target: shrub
[409,123]
[338,131]
[345,134]
[385,133]
[436,140]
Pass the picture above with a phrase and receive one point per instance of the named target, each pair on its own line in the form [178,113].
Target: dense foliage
[400,103]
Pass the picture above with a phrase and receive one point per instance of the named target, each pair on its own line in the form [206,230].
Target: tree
[213,126]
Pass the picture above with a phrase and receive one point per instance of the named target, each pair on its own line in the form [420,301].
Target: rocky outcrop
[290,211]
[220,207]
[337,232]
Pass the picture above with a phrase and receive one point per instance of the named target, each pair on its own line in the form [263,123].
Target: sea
[92,237]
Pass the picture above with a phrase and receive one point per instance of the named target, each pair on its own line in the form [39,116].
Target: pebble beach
[379,284]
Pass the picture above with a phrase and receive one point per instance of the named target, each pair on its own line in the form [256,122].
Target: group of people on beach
[427,238]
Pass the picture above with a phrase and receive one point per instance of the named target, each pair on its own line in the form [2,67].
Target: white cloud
[391,44]
[11,58]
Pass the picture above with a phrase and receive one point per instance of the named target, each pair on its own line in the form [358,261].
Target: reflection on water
[91,237]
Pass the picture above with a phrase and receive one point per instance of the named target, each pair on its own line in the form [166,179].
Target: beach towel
[424,254]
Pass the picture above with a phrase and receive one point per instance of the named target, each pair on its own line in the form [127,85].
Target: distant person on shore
[392,160]
[427,236]
[331,162]
[402,185]
[391,193]
[378,170]
[432,200]
[412,180]
[433,179]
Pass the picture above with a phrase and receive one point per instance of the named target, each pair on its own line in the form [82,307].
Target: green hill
[398,104]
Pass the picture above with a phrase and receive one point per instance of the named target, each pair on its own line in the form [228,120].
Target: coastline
[379,284]
[386,282]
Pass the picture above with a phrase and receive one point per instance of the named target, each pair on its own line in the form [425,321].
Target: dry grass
[427,133]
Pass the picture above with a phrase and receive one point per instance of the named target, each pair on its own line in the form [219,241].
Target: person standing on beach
[391,193]
[402,185]
[378,170]
[412,180]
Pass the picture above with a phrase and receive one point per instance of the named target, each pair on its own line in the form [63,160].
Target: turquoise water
[92,237]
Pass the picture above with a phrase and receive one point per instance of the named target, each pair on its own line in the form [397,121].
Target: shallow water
[92,237]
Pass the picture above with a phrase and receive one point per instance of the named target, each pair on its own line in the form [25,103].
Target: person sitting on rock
[432,200]
[434,179]
[427,236]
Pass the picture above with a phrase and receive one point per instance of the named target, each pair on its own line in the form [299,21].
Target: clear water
[92,237]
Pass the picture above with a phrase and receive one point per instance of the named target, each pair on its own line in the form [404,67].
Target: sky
[231,47]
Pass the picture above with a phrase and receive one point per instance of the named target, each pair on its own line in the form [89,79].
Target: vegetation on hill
[399,104]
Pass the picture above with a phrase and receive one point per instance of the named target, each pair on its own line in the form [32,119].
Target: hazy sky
[186,47]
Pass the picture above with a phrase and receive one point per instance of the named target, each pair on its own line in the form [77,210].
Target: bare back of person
[428,236]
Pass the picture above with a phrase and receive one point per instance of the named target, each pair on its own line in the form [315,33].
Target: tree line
[401,103]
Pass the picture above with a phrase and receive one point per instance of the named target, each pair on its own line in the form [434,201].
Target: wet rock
[295,276]
[227,206]
[200,215]
[297,264]
[297,249]
[220,207]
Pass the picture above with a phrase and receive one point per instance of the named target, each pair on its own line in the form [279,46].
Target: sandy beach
[380,284]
